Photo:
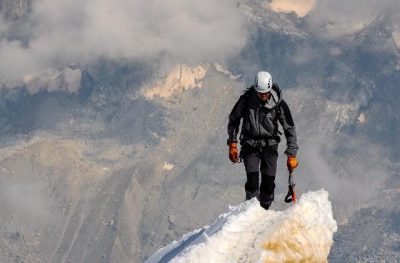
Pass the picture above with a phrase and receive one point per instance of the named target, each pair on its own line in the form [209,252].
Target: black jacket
[260,121]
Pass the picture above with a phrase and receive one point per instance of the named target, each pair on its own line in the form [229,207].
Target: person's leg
[251,163]
[268,173]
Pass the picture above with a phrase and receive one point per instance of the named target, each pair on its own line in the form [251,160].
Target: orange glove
[292,163]
[233,152]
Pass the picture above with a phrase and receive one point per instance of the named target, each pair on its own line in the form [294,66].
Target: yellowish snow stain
[168,166]
[181,78]
[361,118]
[300,7]
[303,235]
[297,244]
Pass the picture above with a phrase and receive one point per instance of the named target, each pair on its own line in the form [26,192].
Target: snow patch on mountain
[300,7]
[342,113]
[248,233]
[181,78]
[168,166]
[265,18]
[223,70]
[361,118]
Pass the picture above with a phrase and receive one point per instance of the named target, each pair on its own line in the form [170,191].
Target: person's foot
[265,205]
[266,200]
[250,195]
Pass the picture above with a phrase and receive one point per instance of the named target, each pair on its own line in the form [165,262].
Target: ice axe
[291,195]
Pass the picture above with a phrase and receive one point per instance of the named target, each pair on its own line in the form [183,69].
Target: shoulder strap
[278,112]
[278,109]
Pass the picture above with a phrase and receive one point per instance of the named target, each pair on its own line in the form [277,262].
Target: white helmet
[263,82]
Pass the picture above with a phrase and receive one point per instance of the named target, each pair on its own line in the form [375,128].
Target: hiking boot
[250,195]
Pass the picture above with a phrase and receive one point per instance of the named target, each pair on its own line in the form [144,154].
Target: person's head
[263,85]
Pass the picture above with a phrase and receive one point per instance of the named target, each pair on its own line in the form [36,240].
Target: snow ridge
[248,233]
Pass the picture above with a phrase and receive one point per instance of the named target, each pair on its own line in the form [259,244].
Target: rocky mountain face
[109,162]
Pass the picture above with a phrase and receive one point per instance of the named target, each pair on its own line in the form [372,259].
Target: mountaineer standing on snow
[261,107]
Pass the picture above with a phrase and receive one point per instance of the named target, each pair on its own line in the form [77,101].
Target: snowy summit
[248,233]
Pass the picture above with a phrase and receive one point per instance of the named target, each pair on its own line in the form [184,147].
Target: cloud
[352,171]
[342,17]
[72,31]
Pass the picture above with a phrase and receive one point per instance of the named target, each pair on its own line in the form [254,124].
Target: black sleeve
[234,120]
[286,120]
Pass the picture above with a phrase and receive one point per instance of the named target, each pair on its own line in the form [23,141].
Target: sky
[248,233]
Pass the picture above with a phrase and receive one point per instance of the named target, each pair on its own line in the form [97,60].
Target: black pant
[256,160]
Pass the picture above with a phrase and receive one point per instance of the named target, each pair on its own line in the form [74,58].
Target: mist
[338,18]
[352,171]
[58,33]
[28,200]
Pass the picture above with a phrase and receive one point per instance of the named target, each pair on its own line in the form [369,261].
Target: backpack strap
[278,113]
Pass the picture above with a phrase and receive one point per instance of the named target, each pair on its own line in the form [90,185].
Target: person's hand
[292,163]
[233,152]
